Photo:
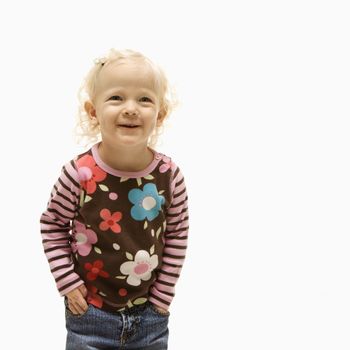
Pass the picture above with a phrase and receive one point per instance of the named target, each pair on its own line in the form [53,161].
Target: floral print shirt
[122,234]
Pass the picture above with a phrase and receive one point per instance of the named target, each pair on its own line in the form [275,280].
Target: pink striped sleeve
[55,224]
[163,290]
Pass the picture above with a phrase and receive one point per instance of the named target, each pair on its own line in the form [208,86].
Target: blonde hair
[86,129]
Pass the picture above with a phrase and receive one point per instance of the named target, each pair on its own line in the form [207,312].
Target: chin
[129,141]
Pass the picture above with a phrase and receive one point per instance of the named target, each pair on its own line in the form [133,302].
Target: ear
[90,109]
[161,117]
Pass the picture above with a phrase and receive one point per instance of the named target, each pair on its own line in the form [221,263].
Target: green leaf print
[87,199]
[139,181]
[158,231]
[140,301]
[162,191]
[129,256]
[124,179]
[148,177]
[145,225]
[81,202]
[121,277]
[151,251]
[152,232]
[104,188]
[97,250]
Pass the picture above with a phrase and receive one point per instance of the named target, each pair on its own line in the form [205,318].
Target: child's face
[125,94]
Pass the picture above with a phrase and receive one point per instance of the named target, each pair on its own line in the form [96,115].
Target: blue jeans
[140,328]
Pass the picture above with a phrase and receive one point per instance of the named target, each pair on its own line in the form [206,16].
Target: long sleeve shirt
[122,234]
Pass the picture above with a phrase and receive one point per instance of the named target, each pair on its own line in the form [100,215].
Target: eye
[145,99]
[115,97]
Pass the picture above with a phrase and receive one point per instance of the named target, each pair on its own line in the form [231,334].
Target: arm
[163,290]
[55,223]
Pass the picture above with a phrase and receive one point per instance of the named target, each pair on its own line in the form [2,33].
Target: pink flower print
[89,173]
[110,220]
[83,239]
[168,164]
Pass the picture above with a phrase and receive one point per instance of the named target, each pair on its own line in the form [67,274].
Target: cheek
[109,109]
[152,121]
[108,113]
[151,113]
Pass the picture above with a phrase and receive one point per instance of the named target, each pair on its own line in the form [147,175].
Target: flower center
[139,269]
[81,238]
[148,203]
[95,270]
[84,173]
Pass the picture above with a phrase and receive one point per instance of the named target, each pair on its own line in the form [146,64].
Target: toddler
[115,228]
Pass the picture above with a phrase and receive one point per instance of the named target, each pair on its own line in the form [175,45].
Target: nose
[130,108]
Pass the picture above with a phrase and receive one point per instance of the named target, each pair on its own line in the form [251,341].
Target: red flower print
[95,270]
[89,173]
[93,298]
[110,220]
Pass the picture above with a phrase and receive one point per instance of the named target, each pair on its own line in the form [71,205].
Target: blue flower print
[147,202]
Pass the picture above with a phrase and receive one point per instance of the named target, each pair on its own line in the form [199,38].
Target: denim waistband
[135,308]
[128,310]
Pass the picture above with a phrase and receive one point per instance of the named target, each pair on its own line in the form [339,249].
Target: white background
[262,137]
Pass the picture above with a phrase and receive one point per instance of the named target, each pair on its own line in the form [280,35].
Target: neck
[127,158]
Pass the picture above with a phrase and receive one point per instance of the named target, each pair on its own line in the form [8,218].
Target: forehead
[126,75]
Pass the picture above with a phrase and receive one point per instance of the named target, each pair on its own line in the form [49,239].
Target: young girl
[115,227]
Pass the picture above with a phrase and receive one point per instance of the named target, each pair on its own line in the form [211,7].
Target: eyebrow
[140,91]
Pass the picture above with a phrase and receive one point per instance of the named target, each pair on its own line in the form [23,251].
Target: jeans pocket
[156,311]
[70,313]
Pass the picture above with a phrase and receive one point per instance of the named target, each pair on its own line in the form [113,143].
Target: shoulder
[169,164]
[71,168]
[69,171]
[80,163]
[166,162]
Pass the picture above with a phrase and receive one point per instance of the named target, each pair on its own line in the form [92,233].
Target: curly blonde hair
[87,130]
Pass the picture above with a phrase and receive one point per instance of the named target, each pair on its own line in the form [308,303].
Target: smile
[129,126]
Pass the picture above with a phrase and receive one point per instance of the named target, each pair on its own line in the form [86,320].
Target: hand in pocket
[76,300]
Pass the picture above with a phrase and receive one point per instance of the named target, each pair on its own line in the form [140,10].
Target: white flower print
[140,268]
